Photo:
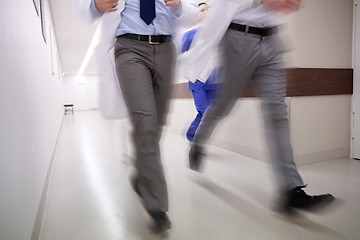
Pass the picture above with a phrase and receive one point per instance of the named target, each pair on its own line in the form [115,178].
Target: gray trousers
[250,57]
[145,75]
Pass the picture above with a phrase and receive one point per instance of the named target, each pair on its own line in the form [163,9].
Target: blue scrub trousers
[202,99]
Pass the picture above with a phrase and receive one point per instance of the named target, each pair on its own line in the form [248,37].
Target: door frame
[355,108]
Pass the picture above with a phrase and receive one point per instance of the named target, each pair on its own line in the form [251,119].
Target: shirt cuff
[176,13]
[94,12]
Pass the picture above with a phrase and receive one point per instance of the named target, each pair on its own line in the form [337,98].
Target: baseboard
[322,156]
[300,160]
[40,214]
[242,150]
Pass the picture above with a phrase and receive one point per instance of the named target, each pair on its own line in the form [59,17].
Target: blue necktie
[147,10]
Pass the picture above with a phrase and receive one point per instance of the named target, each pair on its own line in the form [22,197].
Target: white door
[355,145]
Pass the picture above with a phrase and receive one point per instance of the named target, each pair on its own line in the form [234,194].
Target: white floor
[90,198]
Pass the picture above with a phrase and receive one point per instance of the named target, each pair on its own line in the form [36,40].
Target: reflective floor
[90,198]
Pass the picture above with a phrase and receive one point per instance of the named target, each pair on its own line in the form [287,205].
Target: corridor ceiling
[73,36]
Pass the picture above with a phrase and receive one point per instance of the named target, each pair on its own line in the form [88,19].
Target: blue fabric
[147,10]
[210,83]
[203,93]
[202,99]
[187,39]
[94,12]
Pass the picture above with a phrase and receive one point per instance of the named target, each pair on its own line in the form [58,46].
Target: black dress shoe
[195,156]
[297,198]
[161,222]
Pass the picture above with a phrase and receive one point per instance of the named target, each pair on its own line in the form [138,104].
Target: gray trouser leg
[250,57]
[235,72]
[270,83]
[145,76]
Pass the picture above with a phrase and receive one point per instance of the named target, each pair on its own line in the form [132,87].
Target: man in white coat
[251,50]
[144,61]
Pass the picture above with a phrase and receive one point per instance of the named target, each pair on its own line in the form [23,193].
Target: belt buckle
[150,40]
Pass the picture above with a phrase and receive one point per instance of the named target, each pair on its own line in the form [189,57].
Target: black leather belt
[254,30]
[151,39]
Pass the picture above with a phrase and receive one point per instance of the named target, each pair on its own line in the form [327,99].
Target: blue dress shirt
[164,22]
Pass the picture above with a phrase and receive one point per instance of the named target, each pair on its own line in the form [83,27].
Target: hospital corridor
[109,120]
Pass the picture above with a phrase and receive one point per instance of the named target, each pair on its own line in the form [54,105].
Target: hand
[175,4]
[104,6]
[282,5]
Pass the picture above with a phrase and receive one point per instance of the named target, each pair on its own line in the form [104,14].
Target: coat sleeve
[111,102]
[189,13]
[209,36]
[210,66]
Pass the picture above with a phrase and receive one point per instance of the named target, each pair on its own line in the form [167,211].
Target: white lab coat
[111,100]
[206,40]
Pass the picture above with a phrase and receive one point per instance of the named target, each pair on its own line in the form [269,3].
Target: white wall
[31,115]
[320,34]
[320,125]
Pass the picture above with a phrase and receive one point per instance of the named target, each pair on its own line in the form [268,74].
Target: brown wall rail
[301,82]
